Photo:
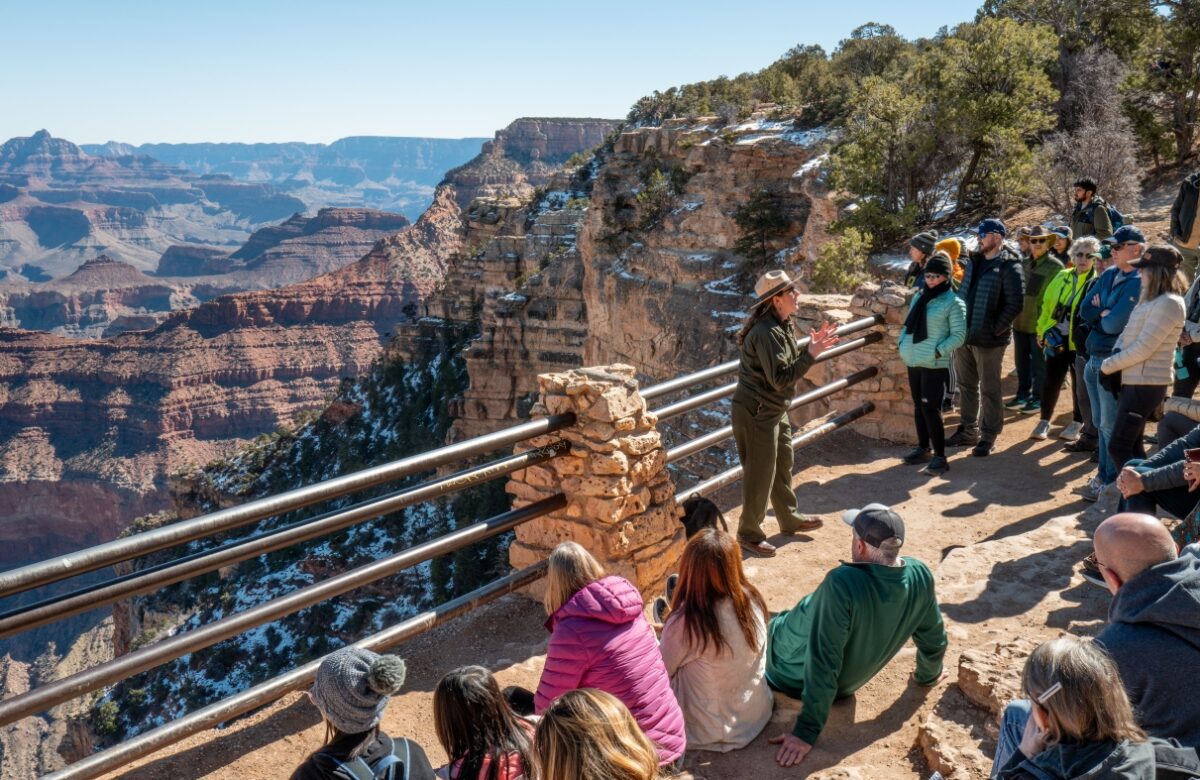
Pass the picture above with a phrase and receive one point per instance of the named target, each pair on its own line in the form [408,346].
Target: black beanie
[939,263]
[924,242]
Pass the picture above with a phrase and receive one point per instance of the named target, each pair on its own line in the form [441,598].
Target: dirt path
[1001,534]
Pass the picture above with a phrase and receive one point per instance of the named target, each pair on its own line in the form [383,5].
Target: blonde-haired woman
[599,638]
[590,735]
[1142,364]
[1078,723]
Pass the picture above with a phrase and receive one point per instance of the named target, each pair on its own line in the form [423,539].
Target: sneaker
[661,610]
[917,455]
[1041,431]
[1090,444]
[983,449]
[763,549]
[1092,490]
[938,465]
[1090,570]
[1071,432]
[963,439]
[1031,407]
[947,405]
[1016,403]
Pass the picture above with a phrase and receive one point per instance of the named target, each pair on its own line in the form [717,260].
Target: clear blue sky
[258,70]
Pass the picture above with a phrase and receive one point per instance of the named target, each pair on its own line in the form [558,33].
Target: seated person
[1166,480]
[1153,631]
[714,645]
[1180,416]
[351,690]
[600,638]
[479,731]
[587,734]
[1078,723]
[838,637]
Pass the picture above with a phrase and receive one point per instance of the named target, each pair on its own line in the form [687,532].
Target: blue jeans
[1104,416]
[1012,728]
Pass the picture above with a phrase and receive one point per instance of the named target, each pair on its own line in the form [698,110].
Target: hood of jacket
[610,600]
[1166,595]
[1094,760]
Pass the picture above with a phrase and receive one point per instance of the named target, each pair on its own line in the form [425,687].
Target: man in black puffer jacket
[994,289]
[1185,227]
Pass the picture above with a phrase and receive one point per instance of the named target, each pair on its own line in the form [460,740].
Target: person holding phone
[1169,479]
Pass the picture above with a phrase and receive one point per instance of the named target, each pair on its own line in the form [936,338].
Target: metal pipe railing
[71,564]
[686,381]
[707,397]
[726,478]
[148,742]
[44,697]
[816,394]
[57,608]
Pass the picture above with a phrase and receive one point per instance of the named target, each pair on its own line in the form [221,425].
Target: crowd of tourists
[1091,308]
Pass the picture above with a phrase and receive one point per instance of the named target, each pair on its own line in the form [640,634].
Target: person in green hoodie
[1057,325]
[1040,267]
[839,636]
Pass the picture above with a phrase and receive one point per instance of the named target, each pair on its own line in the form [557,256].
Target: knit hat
[939,263]
[992,226]
[769,285]
[951,246]
[924,242]
[353,685]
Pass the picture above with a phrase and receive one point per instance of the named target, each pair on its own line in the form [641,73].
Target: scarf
[915,323]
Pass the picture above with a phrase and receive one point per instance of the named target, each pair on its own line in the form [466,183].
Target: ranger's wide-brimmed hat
[769,285]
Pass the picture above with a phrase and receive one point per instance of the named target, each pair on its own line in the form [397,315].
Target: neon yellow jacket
[1066,286]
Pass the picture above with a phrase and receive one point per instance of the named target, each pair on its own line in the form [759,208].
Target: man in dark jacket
[1159,481]
[1090,217]
[1185,227]
[1153,631]
[993,289]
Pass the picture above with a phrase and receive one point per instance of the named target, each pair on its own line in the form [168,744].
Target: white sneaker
[1071,432]
[1041,430]
[1092,490]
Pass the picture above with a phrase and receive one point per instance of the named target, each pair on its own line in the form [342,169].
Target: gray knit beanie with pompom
[353,685]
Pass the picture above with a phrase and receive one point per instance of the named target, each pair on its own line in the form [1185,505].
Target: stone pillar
[893,416]
[620,497]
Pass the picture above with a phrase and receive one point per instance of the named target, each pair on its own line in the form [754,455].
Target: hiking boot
[938,466]
[763,549]
[917,455]
[963,439]
[1090,444]
[1090,570]
[1092,490]
[661,610]
[1031,407]
[983,449]
[807,523]
[1016,403]
[1041,431]
[1071,432]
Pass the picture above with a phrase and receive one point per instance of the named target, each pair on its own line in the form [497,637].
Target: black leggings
[1057,368]
[1134,405]
[928,387]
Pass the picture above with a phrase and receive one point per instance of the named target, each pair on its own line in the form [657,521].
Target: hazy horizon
[270,72]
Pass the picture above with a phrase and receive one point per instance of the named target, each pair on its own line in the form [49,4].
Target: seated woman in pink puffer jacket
[599,638]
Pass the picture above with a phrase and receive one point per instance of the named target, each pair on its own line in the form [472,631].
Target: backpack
[393,766]
[700,513]
[1114,216]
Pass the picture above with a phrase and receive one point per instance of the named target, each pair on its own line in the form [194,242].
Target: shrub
[842,263]
[105,718]
[761,221]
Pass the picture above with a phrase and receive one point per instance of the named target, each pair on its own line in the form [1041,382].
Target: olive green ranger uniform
[771,362]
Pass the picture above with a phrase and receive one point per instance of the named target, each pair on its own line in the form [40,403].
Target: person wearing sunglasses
[1040,267]
[1057,328]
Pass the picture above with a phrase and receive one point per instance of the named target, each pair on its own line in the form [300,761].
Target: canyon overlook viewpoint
[263,399]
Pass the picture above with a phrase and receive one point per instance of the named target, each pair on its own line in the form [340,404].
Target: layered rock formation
[392,174]
[104,297]
[61,206]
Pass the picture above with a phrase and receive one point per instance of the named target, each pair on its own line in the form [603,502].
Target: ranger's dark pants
[764,447]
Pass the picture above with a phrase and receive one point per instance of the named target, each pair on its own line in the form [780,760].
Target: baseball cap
[877,525]
[992,226]
[1160,255]
[1125,234]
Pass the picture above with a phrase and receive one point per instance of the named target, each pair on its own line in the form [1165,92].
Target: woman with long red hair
[714,644]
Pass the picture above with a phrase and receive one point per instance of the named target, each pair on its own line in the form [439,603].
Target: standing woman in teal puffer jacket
[935,327]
